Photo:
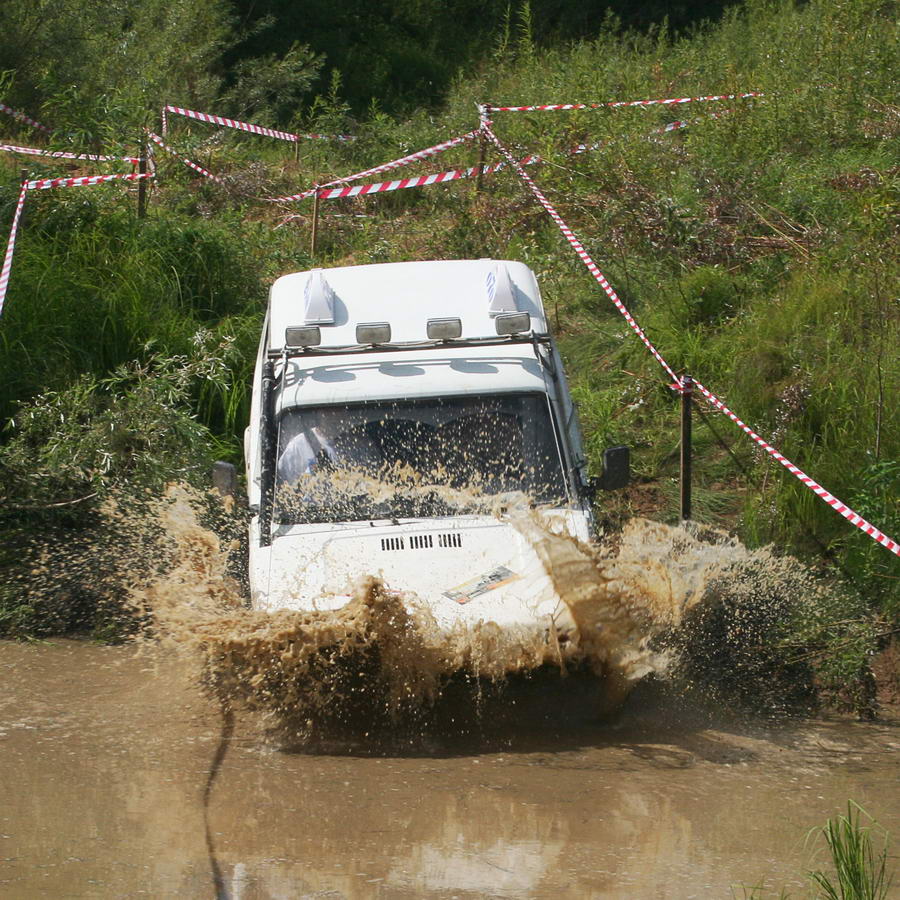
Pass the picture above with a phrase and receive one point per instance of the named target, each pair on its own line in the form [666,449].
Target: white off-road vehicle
[396,410]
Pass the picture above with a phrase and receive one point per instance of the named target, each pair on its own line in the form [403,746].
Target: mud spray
[381,658]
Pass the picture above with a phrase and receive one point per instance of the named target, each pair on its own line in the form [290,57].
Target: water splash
[382,656]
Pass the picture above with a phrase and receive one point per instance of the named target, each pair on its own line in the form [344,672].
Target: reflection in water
[106,755]
[219,757]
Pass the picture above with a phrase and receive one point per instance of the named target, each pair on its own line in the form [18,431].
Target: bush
[79,470]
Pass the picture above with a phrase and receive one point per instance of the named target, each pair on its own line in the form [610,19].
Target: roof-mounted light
[303,336]
[501,291]
[373,333]
[318,300]
[444,329]
[512,323]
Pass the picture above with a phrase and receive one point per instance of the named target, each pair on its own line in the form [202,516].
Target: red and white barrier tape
[41,184]
[195,166]
[330,191]
[23,118]
[579,249]
[623,103]
[62,154]
[11,245]
[246,126]
[340,188]
[359,190]
[814,486]
[851,516]
[384,167]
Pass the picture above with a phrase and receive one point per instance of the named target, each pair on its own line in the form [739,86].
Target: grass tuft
[860,870]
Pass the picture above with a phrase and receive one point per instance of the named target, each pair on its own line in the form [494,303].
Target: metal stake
[687,394]
[482,147]
[482,156]
[314,235]
[142,182]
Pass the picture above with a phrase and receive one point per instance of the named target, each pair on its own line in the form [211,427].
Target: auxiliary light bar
[373,333]
[303,336]
[444,329]
[512,323]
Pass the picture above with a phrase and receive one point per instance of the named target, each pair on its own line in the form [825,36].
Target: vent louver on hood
[421,542]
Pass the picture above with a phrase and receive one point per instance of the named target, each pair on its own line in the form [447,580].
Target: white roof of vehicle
[432,372]
[406,295]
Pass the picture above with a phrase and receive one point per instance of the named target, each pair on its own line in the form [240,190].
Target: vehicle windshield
[415,458]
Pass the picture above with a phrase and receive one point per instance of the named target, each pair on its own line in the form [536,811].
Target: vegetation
[757,248]
[860,871]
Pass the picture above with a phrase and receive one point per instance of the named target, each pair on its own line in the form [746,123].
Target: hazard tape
[384,167]
[61,154]
[331,190]
[579,249]
[246,126]
[340,188]
[23,118]
[41,184]
[623,103]
[359,190]
[327,192]
[195,166]
[11,245]
[814,486]
[851,516]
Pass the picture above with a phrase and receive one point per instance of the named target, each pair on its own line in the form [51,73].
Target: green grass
[860,871]
[757,250]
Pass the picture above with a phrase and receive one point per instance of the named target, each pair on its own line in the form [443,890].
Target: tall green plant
[860,871]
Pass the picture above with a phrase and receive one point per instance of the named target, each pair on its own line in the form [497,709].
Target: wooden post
[142,182]
[482,155]
[687,394]
[314,235]
[482,150]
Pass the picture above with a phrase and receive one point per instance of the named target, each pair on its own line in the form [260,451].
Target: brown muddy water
[363,752]
[106,755]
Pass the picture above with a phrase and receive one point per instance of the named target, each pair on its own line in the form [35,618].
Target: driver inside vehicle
[307,451]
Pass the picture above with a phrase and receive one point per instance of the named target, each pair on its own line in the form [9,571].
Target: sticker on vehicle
[475,587]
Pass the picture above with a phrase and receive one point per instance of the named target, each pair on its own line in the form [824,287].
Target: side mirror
[224,478]
[616,468]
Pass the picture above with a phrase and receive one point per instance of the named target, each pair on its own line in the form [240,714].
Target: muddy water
[105,759]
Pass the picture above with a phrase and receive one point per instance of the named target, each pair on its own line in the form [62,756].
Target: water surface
[105,756]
